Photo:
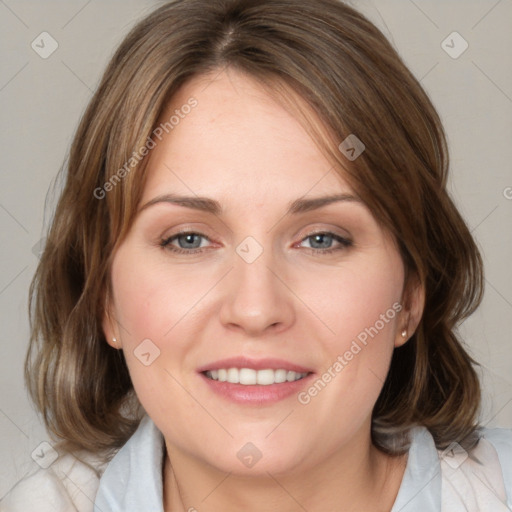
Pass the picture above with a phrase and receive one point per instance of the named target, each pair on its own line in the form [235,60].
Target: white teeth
[233,375]
[280,376]
[265,377]
[290,376]
[250,377]
[247,376]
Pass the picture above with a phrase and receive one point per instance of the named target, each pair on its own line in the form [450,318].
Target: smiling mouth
[251,377]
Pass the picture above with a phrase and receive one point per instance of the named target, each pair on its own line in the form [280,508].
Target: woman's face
[267,279]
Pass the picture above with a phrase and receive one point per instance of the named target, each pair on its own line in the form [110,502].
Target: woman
[250,289]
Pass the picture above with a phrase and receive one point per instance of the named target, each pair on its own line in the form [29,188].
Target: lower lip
[256,394]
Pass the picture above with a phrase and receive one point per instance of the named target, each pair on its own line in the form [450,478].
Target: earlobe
[402,335]
[414,303]
[110,328]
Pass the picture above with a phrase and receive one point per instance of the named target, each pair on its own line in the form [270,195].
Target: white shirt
[433,481]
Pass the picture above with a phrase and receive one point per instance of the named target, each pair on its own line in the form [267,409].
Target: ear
[413,302]
[109,325]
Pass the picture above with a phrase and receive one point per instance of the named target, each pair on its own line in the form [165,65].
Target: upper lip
[255,364]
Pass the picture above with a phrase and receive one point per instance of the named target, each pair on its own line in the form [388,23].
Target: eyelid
[189,229]
[324,228]
[343,242]
[166,240]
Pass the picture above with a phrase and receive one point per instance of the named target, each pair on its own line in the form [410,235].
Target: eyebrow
[208,205]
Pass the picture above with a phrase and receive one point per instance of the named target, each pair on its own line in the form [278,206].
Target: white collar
[133,480]
[421,484]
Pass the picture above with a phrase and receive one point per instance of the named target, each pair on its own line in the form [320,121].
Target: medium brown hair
[346,71]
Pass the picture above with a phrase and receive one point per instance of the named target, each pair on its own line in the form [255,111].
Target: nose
[257,297]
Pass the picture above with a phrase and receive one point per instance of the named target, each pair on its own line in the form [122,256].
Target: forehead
[237,138]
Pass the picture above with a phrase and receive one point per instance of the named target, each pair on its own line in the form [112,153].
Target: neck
[355,479]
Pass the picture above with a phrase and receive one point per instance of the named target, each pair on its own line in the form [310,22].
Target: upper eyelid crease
[209,205]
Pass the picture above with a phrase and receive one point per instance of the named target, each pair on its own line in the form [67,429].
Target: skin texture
[241,148]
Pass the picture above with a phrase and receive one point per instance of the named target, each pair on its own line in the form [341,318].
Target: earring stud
[404,333]
[114,340]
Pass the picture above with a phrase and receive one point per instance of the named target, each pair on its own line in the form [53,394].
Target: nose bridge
[257,299]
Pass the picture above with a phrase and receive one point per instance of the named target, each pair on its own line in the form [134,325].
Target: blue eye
[190,242]
[186,241]
[322,242]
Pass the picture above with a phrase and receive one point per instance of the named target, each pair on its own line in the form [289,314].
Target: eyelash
[344,243]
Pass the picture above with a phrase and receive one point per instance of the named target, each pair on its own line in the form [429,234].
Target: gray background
[41,101]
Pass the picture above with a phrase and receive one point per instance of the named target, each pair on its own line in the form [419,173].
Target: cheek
[158,308]
[152,299]
[149,303]
[361,308]
[357,302]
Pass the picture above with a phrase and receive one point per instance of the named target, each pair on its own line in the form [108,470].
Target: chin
[256,459]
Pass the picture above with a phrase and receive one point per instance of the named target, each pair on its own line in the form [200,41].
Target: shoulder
[501,440]
[482,478]
[69,484]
